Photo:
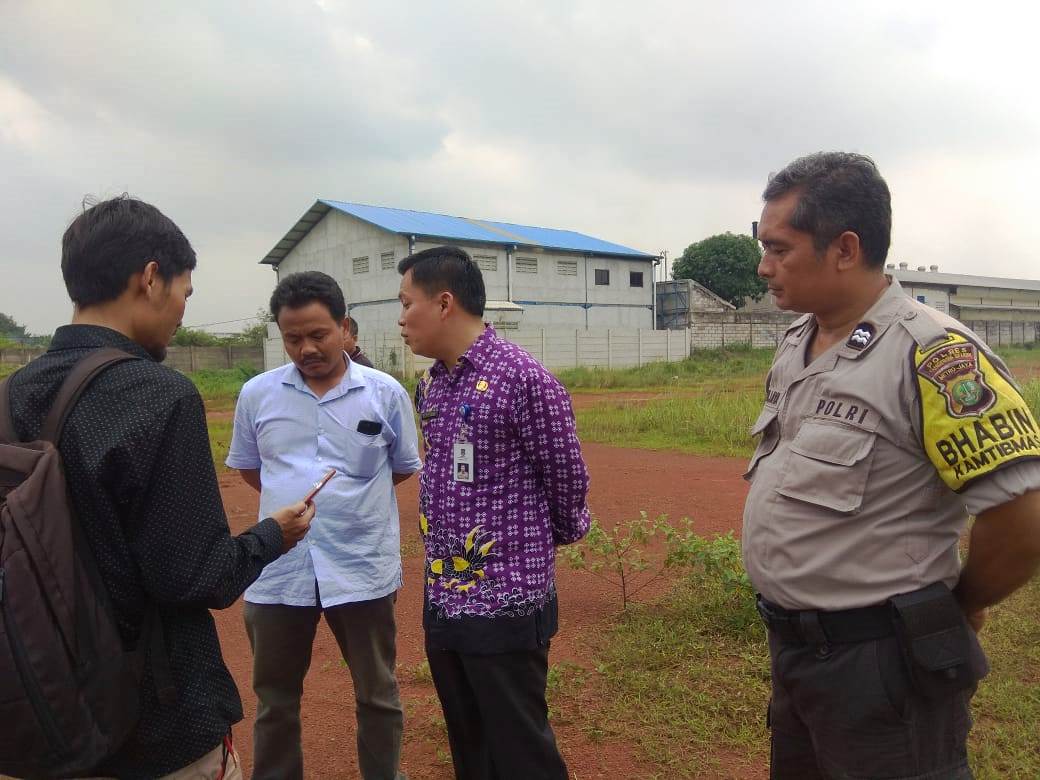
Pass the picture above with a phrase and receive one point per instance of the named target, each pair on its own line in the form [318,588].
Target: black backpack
[69,691]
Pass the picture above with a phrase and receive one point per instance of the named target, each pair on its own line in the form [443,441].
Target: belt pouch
[936,642]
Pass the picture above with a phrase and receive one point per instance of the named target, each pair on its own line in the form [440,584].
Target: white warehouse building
[535,277]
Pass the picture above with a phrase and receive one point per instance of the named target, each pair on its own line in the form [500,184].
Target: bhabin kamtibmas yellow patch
[974,420]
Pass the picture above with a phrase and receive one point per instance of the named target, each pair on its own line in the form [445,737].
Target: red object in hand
[319,485]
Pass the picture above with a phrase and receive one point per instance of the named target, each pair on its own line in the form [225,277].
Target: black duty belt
[818,627]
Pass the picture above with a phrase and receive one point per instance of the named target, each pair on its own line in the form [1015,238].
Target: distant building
[535,277]
[681,301]
[1001,311]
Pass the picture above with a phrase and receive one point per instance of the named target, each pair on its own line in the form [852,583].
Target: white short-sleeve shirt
[353,550]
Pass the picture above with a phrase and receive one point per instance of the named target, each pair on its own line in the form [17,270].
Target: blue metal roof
[427,225]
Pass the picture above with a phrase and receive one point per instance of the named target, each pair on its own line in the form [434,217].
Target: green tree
[726,264]
[191,337]
[11,329]
[256,333]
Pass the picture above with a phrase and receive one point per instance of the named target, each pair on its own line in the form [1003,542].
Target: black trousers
[850,711]
[497,718]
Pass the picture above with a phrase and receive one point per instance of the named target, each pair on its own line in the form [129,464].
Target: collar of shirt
[351,379]
[885,310]
[95,336]
[478,354]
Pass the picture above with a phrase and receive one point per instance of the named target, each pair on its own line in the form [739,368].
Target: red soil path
[709,490]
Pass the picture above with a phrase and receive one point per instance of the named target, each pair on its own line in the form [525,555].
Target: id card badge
[463,461]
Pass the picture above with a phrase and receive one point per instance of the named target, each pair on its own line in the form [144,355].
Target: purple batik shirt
[490,544]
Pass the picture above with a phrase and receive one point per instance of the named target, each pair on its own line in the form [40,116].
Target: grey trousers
[281,637]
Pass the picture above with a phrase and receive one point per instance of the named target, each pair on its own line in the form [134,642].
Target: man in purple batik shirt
[503,483]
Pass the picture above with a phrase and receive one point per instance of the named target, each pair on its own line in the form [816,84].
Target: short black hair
[448,268]
[299,289]
[352,326]
[114,239]
[838,191]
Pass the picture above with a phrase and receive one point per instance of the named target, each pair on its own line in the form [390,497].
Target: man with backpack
[141,548]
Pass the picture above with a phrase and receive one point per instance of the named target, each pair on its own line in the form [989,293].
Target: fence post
[639,348]
[723,332]
[544,356]
[193,364]
[230,358]
[610,350]
[577,341]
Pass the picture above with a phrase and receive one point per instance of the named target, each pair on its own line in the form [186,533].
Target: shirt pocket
[770,435]
[829,465]
[364,454]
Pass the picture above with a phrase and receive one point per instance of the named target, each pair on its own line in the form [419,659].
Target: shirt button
[319,457]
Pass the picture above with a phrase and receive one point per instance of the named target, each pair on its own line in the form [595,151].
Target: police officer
[886,423]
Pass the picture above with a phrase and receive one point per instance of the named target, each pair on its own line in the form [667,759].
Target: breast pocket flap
[841,445]
[829,466]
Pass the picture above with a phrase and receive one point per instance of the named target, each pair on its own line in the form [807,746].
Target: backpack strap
[153,644]
[83,373]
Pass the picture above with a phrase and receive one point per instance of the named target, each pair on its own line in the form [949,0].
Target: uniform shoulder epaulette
[923,329]
[799,323]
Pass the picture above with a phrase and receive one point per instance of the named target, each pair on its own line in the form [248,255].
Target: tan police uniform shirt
[873,455]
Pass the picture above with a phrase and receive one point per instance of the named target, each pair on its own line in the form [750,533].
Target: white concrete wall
[556,348]
[990,296]
[717,334]
[936,297]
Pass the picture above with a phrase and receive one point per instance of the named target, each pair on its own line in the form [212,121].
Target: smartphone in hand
[319,485]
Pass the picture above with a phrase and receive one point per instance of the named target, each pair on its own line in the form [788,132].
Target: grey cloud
[234,118]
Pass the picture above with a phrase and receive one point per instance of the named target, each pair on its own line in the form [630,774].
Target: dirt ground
[709,490]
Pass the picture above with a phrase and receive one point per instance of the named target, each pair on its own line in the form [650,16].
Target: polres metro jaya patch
[974,419]
[954,369]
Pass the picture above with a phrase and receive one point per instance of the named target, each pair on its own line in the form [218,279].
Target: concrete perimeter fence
[553,347]
[184,359]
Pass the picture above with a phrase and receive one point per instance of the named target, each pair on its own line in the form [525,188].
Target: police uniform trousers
[848,710]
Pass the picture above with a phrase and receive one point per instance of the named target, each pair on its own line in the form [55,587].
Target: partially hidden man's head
[441,288]
[350,337]
[831,207]
[312,317]
[125,251]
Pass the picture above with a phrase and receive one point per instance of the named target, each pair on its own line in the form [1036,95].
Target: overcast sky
[651,124]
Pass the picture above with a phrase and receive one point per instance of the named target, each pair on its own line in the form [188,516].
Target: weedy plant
[617,555]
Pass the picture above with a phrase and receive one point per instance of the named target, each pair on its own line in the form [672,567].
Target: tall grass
[220,387]
[716,424]
[220,441]
[702,366]
[688,677]
[1031,393]
[1007,706]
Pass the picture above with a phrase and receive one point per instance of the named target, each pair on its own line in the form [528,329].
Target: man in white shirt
[292,425]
